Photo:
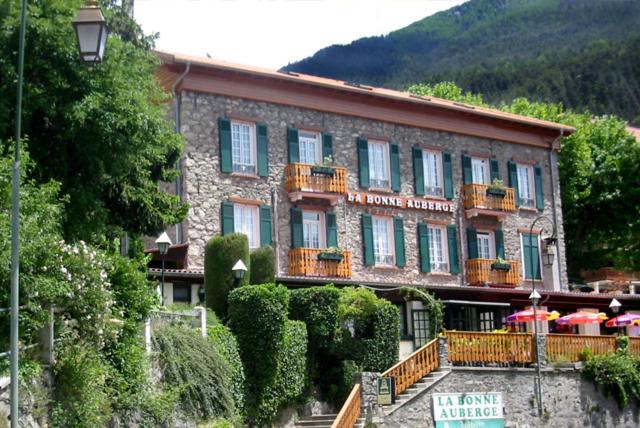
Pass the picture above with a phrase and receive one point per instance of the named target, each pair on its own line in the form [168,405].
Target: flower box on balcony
[333,256]
[322,170]
[497,191]
[505,267]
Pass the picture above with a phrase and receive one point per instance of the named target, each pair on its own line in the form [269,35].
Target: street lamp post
[87,33]
[615,308]
[547,258]
[163,242]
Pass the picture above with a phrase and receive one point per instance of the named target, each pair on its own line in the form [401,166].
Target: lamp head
[534,296]
[548,255]
[615,306]
[239,269]
[163,242]
[91,32]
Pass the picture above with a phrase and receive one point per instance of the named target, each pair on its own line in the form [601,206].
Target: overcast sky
[272,33]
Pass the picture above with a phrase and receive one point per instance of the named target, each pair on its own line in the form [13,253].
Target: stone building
[359,185]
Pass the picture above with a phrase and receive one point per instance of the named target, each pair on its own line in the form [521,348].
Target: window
[245,220]
[379,172]
[421,333]
[313,233]
[531,250]
[526,192]
[486,248]
[243,147]
[182,293]
[383,243]
[486,321]
[432,167]
[310,147]
[480,171]
[438,251]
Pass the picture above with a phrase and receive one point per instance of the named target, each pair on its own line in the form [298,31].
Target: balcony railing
[568,347]
[299,177]
[305,262]
[479,272]
[475,196]
[472,347]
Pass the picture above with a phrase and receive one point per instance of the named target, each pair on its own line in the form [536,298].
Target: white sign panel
[473,409]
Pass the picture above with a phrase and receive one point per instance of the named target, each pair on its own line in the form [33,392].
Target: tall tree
[100,131]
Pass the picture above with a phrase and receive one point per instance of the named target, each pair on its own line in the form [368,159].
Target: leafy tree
[100,131]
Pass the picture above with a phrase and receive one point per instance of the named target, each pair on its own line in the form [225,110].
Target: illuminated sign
[471,410]
[399,202]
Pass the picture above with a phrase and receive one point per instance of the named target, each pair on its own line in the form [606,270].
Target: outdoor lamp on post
[238,270]
[91,32]
[163,242]
[535,298]
[615,308]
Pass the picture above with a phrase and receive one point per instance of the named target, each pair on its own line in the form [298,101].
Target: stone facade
[205,187]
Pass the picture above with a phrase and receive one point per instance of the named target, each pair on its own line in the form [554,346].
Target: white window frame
[376,182]
[522,258]
[486,170]
[242,167]
[389,258]
[438,266]
[318,150]
[439,176]
[524,201]
[254,236]
[322,231]
[492,243]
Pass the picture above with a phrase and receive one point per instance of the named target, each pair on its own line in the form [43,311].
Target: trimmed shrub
[263,269]
[220,254]
[343,376]
[384,347]
[225,343]
[318,308]
[192,365]
[618,375]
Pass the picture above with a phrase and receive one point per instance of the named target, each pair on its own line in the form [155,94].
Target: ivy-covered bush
[618,375]
[191,364]
[318,308]
[225,343]
[263,269]
[220,254]
[383,348]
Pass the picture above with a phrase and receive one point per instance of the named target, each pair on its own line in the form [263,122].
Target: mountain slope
[470,43]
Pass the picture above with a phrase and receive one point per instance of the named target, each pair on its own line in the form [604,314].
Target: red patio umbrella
[527,316]
[622,320]
[582,318]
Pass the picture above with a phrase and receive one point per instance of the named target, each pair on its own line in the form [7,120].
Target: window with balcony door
[526,186]
[438,250]
[313,230]
[486,246]
[310,147]
[379,170]
[383,244]
[246,220]
[480,171]
[243,147]
[432,167]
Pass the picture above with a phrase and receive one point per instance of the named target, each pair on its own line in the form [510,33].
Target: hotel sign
[471,410]
[399,202]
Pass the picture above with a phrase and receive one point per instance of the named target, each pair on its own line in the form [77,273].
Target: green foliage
[220,254]
[192,364]
[227,346]
[617,374]
[318,308]
[433,305]
[342,375]
[263,268]
[447,91]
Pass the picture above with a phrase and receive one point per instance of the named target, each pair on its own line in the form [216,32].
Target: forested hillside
[583,53]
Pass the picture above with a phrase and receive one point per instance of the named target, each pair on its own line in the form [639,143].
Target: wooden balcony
[305,262]
[477,201]
[301,181]
[479,272]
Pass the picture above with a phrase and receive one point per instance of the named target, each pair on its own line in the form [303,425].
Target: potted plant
[331,253]
[501,264]
[497,188]
[325,169]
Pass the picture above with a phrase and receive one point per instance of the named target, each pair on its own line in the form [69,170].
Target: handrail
[465,347]
[350,411]
[568,347]
[416,366]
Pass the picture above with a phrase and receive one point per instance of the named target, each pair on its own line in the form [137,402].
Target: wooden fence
[473,347]
[634,346]
[415,366]
[350,411]
[568,347]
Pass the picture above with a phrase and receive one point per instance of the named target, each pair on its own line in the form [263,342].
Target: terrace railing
[634,346]
[479,272]
[568,347]
[473,347]
[299,177]
[305,262]
[475,196]
[415,366]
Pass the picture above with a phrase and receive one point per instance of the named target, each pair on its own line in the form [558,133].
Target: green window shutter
[423,243]
[394,150]
[263,150]
[224,131]
[467,173]
[398,238]
[265,225]
[499,237]
[297,239]
[227,218]
[495,169]
[332,229]
[452,241]
[472,243]
[327,146]
[367,240]
[537,174]
[418,170]
[363,162]
[513,180]
[447,173]
[530,250]
[292,143]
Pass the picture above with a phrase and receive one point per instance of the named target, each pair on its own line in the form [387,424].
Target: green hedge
[384,347]
[318,308]
[263,270]
[227,346]
[220,254]
[618,375]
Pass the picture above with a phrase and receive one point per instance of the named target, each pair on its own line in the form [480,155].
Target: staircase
[416,389]
[323,421]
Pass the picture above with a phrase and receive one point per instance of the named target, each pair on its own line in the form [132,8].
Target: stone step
[323,421]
